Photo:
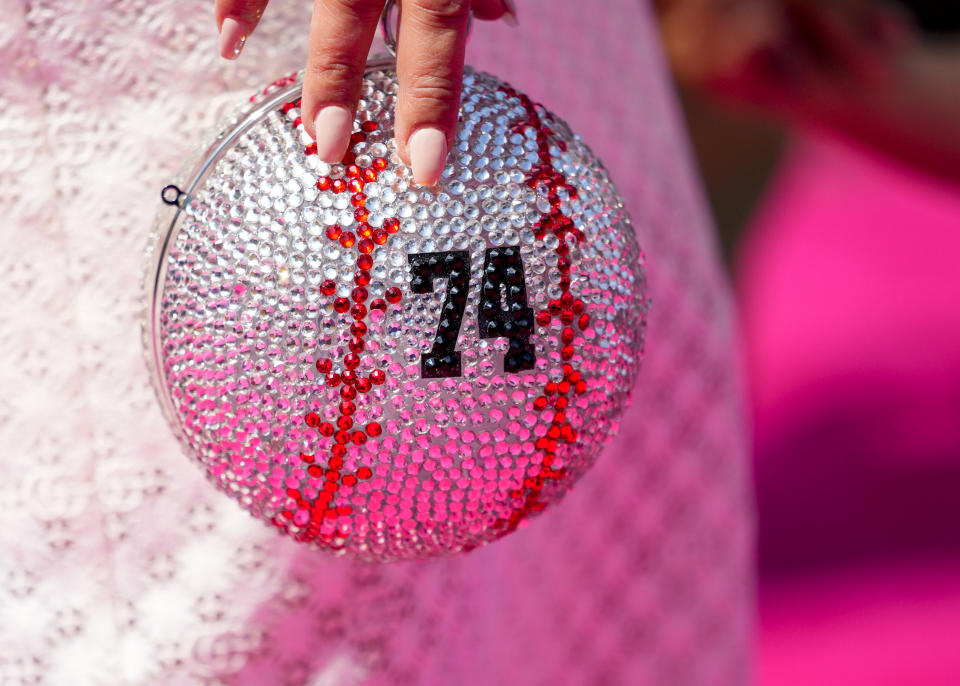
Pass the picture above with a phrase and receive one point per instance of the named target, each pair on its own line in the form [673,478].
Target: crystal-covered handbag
[384,369]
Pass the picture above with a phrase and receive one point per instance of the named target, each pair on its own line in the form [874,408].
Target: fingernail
[511,16]
[428,155]
[232,38]
[333,126]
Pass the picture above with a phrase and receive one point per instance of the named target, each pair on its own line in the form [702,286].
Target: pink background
[849,285]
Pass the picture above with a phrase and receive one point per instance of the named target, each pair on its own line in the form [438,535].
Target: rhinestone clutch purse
[383,369]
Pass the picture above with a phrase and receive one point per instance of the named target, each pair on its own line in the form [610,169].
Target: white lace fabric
[120,565]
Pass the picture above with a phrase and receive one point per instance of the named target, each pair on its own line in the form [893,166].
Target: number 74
[502,312]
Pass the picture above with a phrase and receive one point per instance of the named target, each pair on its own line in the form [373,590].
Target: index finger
[430,54]
[340,35]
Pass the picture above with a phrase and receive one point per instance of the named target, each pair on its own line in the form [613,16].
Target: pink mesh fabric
[121,565]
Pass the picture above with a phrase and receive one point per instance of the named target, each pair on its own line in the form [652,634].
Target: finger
[340,35]
[495,9]
[236,20]
[432,41]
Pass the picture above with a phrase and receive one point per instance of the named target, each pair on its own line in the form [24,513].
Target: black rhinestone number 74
[502,311]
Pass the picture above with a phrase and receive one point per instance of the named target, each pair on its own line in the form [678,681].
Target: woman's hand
[431,43]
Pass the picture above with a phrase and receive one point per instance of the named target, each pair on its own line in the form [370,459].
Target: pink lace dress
[120,564]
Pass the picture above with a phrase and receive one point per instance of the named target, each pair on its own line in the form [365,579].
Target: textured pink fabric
[850,284]
[121,565]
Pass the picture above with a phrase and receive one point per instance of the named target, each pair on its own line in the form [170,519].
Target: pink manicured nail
[232,38]
[511,16]
[428,155]
[333,124]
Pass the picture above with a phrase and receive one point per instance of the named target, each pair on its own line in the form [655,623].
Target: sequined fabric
[121,565]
